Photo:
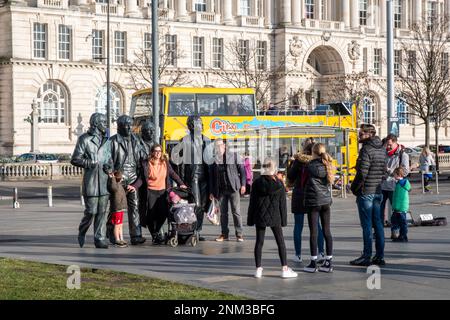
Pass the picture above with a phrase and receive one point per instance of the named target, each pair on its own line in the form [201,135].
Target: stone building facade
[52,52]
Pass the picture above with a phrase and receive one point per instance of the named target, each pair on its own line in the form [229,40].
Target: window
[309,4]
[218,53]
[245,7]
[181,104]
[432,10]
[377,62]
[411,64]
[200,5]
[98,37]
[402,111]
[397,62]
[244,48]
[261,53]
[115,98]
[198,51]
[52,103]
[119,46]
[64,41]
[397,13]
[368,110]
[444,65]
[363,12]
[40,40]
[365,59]
[171,50]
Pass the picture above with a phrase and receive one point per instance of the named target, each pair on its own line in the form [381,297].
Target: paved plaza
[419,269]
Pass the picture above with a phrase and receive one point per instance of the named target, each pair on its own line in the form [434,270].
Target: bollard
[16,203]
[50,196]
[423,182]
[437,182]
[81,195]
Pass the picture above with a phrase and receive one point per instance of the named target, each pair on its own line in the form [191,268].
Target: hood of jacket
[303,158]
[267,186]
[374,142]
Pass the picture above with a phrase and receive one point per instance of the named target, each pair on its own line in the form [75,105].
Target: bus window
[181,104]
[211,104]
[240,105]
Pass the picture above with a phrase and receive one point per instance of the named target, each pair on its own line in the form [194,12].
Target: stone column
[405,14]
[417,12]
[34,127]
[285,12]
[227,14]
[268,18]
[297,12]
[354,14]
[181,10]
[329,7]
[131,8]
[318,9]
[447,12]
[382,20]
[346,12]
[81,2]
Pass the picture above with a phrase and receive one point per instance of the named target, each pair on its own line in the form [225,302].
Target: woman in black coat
[298,174]
[267,208]
[317,202]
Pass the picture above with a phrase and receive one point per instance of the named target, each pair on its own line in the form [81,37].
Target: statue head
[124,125]
[98,121]
[147,130]
[194,124]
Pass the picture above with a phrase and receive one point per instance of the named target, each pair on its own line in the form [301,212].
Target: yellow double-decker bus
[231,114]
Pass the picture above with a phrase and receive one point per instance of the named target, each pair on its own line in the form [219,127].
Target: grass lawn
[35,281]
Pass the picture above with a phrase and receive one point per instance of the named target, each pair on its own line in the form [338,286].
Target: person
[400,204]
[233,109]
[272,110]
[267,208]
[126,153]
[156,171]
[93,153]
[283,157]
[318,201]
[370,169]
[395,158]
[192,166]
[248,174]
[227,181]
[298,173]
[118,203]
[427,163]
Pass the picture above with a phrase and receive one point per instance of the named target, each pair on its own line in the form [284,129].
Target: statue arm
[79,156]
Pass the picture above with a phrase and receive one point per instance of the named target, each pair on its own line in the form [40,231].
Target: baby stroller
[182,220]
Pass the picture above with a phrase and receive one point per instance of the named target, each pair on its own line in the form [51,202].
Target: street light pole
[390,65]
[108,84]
[155,68]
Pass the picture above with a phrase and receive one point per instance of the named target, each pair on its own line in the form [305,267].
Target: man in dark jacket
[370,169]
[126,154]
[93,154]
[227,181]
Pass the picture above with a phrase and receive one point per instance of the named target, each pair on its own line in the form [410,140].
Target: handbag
[213,213]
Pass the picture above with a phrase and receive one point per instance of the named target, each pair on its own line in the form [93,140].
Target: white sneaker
[289,273]
[297,259]
[258,272]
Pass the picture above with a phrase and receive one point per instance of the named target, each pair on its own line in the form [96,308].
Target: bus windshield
[141,105]
[182,104]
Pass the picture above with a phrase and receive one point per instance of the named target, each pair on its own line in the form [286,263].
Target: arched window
[368,110]
[116,101]
[52,103]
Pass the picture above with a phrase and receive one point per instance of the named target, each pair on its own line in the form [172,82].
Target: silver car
[414,155]
[32,157]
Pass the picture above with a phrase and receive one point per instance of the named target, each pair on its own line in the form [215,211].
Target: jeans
[235,202]
[298,229]
[399,220]
[369,215]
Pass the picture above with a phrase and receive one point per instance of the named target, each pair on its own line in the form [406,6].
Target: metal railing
[50,171]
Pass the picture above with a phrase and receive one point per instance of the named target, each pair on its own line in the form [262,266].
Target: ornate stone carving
[295,49]
[354,50]
[326,36]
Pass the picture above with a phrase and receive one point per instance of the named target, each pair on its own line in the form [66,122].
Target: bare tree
[423,76]
[247,67]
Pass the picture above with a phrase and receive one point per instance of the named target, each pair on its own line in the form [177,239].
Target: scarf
[391,153]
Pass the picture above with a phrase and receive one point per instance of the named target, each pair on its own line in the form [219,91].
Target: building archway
[325,60]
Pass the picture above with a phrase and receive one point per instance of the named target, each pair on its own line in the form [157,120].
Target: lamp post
[155,68]
[108,84]
[390,66]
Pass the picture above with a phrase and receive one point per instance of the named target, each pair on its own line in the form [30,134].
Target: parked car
[442,148]
[414,156]
[32,157]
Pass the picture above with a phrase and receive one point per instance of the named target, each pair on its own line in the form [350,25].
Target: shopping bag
[213,214]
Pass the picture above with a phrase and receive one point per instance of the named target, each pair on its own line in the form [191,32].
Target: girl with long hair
[426,167]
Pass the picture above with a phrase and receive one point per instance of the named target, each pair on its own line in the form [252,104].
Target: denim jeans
[234,199]
[399,220]
[298,229]
[369,215]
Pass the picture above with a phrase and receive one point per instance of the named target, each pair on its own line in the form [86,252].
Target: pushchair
[182,220]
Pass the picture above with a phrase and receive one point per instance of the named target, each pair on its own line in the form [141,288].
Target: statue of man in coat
[93,154]
[126,152]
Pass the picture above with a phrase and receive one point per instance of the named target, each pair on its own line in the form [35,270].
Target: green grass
[35,281]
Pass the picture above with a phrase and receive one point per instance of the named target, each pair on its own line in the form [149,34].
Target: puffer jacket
[317,190]
[267,206]
[370,168]
[298,174]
